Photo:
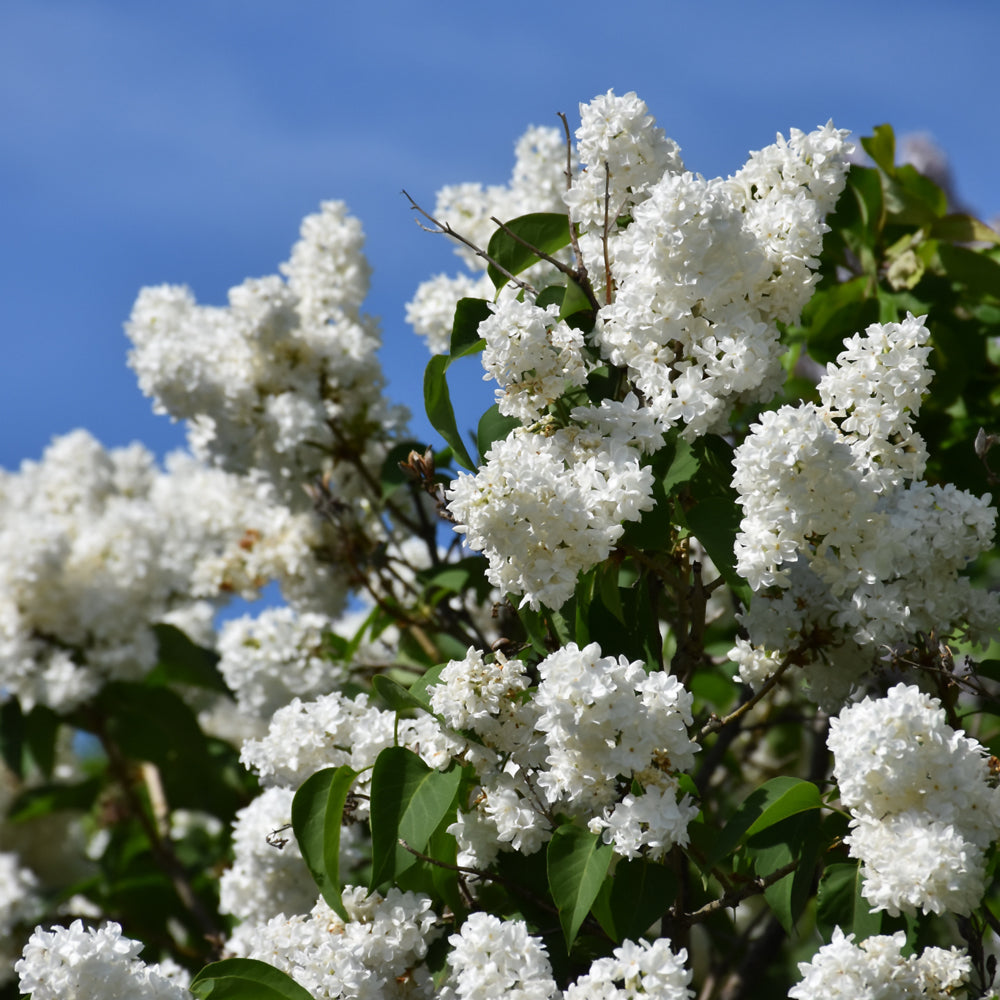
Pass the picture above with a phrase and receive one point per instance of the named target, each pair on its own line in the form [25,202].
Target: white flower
[74,963]
[876,969]
[493,958]
[544,508]
[924,809]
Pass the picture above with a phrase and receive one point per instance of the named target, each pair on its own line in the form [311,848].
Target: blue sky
[182,142]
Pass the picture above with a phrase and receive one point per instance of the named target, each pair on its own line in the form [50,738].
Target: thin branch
[752,888]
[714,724]
[577,252]
[445,229]
[607,230]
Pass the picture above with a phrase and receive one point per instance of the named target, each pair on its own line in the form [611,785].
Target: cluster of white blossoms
[283,378]
[378,952]
[279,655]
[545,507]
[490,957]
[99,545]
[636,970]
[836,519]
[699,270]
[533,358]
[924,806]
[596,727]
[877,968]
[78,963]
[268,876]
[695,275]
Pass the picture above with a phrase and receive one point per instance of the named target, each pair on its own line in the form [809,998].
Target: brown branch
[752,888]
[574,240]
[443,228]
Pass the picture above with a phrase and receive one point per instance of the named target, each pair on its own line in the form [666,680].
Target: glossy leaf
[408,801]
[181,661]
[469,313]
[576,862]
[437,401]
[545,231]
[839,902]
[767,805]
[397,697]
[317,816]
[881,147]
[245,979]
[493,426]
[793,839]
[634,897]
[959,228]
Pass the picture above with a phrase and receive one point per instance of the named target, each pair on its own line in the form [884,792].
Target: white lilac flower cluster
[378,952]
[279,655]
[532,356]
[838,524]
[78,963]
[924,807]
[285,376]
[877,968]
[98,545]
[596,727]
[545,507]
[537,184]
[490,957]
[634,971]
[494,958]
[268,876]
[695,275]
[700,270]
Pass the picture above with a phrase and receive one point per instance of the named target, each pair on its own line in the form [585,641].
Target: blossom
[924,808]
[876,967]
[543,508]
[77,963]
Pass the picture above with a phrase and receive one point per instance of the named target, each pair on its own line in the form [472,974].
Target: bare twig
[445,229]
[577,252]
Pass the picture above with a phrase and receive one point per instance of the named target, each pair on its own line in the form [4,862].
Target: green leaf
[576,862]
[767,805]
[317,816]
[45,799]
[180,661]
[715,521]
[793,839]
[683,465]
[881,147]
[245,979]
[469,313]
[493,426]
[977,271]
[959,228]
[839,902]
[437,401]
[408,801]
[397,697]
[151,723]
[545,231]
[634,897]
[12,736]
[575,303]
[430,677]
